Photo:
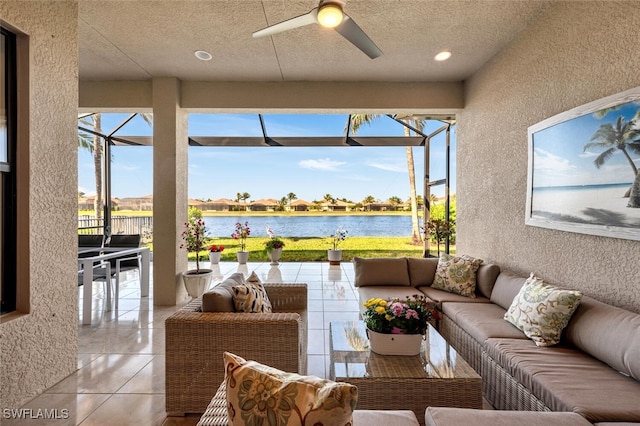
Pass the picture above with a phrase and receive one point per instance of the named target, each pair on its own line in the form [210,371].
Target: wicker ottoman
[441,416]
[216,414]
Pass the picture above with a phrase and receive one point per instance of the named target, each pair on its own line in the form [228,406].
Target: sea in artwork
[588,204]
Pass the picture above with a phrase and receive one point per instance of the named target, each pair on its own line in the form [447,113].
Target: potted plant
[215,252]
[335,254]
[397,327]
[273,246]
[241,233]
[439,230]
[196,281]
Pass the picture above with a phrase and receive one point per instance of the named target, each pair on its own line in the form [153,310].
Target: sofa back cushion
[486,279]
[607,333]
[422,270]
[381,271]
[506,288]
[220,297]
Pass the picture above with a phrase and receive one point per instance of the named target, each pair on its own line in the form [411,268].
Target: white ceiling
[139,40]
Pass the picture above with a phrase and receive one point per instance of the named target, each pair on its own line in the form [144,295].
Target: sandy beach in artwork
[595,205]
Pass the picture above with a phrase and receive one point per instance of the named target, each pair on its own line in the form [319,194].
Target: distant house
[87,203]
[378,207]
[136,203]
[336,206]
[264,204]
[300,205]
[221,205]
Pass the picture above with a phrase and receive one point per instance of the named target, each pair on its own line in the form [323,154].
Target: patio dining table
[105,254]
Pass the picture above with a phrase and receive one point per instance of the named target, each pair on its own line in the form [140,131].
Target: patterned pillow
[542,311]
[457,274]
[260,395]
[251,297]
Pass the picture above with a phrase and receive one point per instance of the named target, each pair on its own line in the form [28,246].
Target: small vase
[197,283]
[214,257]
[395,344]
[274,255]
[242,256]
[334,256]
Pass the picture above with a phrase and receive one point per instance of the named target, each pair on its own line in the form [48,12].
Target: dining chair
[130,263]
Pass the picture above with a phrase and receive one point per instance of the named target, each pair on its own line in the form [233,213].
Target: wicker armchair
[195,342]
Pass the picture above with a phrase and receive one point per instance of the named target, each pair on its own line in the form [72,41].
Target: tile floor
[120,376]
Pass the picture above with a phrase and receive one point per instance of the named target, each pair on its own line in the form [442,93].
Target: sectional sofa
[594,370]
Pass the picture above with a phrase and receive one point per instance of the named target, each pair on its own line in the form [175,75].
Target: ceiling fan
[328,14]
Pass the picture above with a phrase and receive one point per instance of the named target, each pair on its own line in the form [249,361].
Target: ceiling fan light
[330,15]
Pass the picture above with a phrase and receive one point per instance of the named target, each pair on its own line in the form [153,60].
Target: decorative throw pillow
[542,311]
[260,395]
[251,297]
[457,274]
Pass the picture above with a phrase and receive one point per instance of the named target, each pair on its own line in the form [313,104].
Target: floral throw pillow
[262,395]
[542,311]
[251,297]
[457,274]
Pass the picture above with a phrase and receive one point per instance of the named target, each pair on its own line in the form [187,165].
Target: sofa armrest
[287,297]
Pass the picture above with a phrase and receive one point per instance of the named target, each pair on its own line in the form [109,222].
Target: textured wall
[574,53]
[39,348]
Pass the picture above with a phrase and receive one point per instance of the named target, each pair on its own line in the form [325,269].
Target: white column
[169,190]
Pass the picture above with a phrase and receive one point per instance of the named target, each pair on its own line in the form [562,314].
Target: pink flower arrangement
[396,316]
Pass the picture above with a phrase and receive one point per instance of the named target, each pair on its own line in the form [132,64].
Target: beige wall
[39,345]
[576,52]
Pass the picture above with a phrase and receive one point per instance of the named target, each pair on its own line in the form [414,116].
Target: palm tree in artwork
[623,137]
[357,120]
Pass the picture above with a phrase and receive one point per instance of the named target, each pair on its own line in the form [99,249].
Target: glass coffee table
[437,377]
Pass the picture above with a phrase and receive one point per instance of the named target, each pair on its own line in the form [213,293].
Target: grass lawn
[310,249]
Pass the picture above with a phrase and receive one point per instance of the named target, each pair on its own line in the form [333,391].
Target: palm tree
[244,197]
[291,196]
[623,137]
[368,200]
[357,120]
[282,203]
[394,201]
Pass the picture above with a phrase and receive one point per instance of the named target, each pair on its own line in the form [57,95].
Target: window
[7,172]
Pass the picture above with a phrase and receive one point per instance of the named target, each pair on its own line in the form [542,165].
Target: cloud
[544,160]
[398,168]
[324,164]
[588,154]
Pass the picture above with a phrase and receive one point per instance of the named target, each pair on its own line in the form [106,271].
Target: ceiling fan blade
[289,24]
[352,32]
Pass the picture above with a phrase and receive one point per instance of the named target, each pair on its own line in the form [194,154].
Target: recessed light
[442,56]
[203,55]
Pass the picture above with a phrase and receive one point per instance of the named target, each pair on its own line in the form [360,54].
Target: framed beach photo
[583,169]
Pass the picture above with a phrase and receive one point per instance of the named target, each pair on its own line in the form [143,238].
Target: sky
[273,172]
[560,158]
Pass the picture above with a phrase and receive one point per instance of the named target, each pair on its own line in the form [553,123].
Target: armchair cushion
[220,297]
[251,297]
[256,392]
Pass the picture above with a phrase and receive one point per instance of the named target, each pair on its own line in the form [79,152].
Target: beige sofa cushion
[486,279]
[507,286]
[608,333]
[481,321]
[381,271]
[442,296]
[422,270]
[384,418]
[446,416]
[220,297]
[567,379]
